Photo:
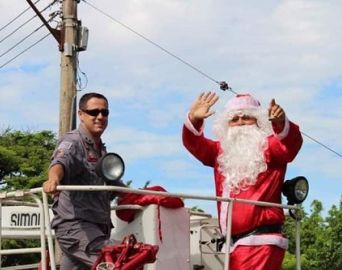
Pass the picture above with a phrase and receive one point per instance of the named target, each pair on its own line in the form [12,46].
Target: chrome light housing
[111,167]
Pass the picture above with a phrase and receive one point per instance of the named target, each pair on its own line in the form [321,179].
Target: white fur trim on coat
[191,127]
[285,130]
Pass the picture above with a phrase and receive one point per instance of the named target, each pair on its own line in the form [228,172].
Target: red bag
[143,200]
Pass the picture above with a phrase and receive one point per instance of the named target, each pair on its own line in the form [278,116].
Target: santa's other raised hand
[276,115]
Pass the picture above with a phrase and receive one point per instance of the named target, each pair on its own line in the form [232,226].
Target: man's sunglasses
[96,112]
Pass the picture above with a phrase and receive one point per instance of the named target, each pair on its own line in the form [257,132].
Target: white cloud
[137,144]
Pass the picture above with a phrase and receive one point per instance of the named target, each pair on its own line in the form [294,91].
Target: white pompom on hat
[242,102]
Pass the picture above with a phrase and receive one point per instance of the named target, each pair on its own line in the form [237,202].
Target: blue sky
[287,50]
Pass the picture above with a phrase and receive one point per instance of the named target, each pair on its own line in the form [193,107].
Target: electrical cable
[321,144]
[20,14]
[21,41]
[24,50]
[79,79]
[26,37]
[15,30]
[223,85]
[23,24]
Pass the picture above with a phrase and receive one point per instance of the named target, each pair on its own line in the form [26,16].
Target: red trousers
[267,257]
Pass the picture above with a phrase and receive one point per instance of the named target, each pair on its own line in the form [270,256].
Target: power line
[325,146]
[15,30]
[21,41]
[24,50]
[223,85]
[26,37]
[20,14]
[23,24]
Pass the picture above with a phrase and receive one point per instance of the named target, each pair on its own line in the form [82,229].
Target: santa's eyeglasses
[244,117]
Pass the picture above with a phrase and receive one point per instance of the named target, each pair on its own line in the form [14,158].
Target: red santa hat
[242,102]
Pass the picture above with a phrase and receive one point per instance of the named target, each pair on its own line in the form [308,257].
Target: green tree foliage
[11,260]
[321,239]
[196,208]
[24,158]
[334,235]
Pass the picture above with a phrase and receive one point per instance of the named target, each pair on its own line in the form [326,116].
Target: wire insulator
[224,86]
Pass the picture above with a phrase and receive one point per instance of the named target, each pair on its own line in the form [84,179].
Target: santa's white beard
[243,157]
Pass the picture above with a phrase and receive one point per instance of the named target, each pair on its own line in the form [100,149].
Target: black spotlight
[111,167]
[296,190]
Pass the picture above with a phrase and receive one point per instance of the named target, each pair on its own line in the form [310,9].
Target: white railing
[46,232]
[4,196]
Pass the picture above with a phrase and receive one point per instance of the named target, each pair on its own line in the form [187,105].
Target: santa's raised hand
[201,107]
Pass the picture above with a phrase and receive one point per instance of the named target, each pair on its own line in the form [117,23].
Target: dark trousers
[81,243]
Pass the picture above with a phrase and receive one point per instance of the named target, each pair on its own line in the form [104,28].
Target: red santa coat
[282,149]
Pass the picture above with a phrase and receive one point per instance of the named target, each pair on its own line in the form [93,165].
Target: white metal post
[47,225]
[298,262]
[42,231]
[228,235]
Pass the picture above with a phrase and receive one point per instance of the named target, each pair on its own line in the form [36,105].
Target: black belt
[274,228]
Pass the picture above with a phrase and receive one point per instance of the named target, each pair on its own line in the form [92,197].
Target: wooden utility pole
[67,107]
[67,38]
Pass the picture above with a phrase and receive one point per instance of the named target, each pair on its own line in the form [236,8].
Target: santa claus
[249,158]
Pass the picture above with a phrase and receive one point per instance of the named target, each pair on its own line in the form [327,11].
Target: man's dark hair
[84,99]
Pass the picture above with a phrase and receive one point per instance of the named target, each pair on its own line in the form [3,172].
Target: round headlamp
[111,167]
[296,190]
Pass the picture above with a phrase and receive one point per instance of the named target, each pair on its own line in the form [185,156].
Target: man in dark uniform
[81,220]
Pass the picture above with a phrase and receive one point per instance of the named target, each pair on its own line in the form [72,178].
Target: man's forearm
[56,173]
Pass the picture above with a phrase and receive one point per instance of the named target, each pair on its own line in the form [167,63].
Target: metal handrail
[89,188]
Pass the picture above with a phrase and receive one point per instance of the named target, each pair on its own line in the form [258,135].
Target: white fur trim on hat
[241,102]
